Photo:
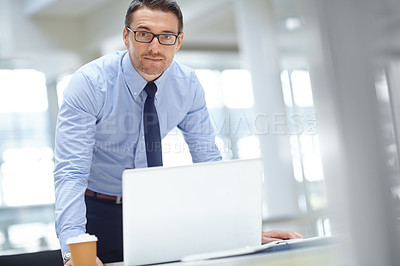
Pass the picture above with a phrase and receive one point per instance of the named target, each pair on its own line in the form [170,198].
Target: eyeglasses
[147,37]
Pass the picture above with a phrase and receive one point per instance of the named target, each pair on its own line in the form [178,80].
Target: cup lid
[81,238]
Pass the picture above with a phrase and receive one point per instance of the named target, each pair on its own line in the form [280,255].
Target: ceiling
[215,19]
[89,28]
[65,8]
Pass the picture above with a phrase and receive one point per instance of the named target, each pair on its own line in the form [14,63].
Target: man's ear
[125,37]
[179,41]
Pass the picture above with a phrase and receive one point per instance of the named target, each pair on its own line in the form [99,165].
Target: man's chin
[152,71]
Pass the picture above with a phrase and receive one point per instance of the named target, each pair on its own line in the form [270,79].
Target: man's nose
[154,45]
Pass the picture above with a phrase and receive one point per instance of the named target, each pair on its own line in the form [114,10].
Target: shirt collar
[161,79]
[133,79]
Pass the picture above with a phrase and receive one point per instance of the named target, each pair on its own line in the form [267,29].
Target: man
[115,112]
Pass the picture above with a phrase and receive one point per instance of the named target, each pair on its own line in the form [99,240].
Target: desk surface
[321,256]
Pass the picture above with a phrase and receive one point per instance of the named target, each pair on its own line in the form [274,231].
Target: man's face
[152,59]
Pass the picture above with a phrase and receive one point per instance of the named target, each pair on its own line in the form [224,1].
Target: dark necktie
[152,128]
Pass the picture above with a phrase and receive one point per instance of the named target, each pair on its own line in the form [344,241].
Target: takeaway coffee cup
[83,250]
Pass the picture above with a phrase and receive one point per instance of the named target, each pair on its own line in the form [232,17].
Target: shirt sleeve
[197,129]
[74,144]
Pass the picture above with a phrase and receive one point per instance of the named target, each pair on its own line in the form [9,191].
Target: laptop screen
[172,212]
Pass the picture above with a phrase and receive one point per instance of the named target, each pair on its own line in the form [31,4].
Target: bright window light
[36,175]
[382,89]
[302,202]
[211,82]
[306,158]
[293,23]
[22,90]
[287,95]
[327,226]
[311,158]
[249,147]
[301,85]
[32,236]
[296,159]
[61,85]
[324,227]
[317,201]
[237,88]
[175,150]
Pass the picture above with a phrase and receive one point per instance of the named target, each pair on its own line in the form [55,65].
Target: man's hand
[98,262]
[275,235]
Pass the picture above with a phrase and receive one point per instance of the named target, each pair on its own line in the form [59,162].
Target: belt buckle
[118,200]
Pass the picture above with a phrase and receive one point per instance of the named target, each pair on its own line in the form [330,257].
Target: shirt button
[135,93]
[142,137]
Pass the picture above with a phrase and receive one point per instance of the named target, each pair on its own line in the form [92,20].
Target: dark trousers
[104,220]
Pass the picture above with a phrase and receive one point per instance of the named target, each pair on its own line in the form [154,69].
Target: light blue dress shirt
[100,130]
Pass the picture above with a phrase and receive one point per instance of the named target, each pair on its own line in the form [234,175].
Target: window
[307,164]
[229,97]
[26,162]
[61,85]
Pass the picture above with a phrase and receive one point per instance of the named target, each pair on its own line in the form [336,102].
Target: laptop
[173,212]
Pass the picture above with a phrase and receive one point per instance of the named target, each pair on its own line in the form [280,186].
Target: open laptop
[173,212]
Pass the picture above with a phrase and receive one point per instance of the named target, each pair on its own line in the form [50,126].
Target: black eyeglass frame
[155,35]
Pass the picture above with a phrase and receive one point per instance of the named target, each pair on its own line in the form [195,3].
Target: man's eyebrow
[148,29]
[143,28]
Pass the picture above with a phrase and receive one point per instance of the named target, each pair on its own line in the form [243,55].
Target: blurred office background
[311,86]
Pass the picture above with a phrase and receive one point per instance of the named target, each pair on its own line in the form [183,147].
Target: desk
[315,256]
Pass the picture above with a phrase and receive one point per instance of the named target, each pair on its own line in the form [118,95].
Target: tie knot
[150,89]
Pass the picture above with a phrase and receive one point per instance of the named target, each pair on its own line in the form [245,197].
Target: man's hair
[163,5]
